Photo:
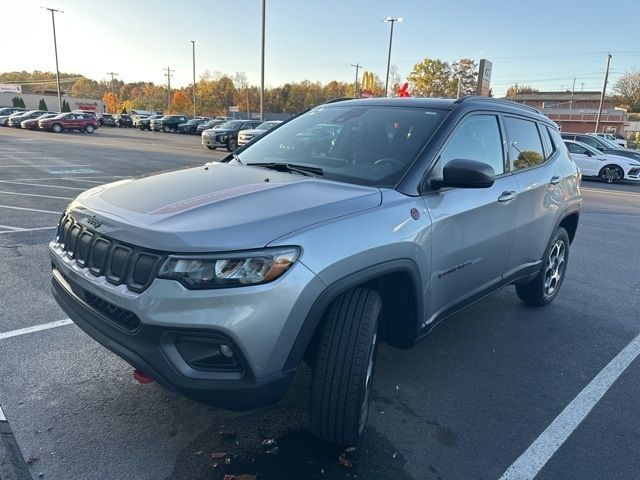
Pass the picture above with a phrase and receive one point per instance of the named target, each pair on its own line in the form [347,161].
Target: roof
[577,96]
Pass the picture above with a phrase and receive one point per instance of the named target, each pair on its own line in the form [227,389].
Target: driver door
[586,161]
[472,228]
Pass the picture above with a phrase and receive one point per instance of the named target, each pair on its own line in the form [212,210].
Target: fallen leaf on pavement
[218,455]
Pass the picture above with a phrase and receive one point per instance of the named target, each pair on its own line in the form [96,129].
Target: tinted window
[477,138]
[525,146]
[546,142]
[592,142]
[575,148]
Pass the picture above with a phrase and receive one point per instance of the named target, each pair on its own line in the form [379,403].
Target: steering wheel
[393,162]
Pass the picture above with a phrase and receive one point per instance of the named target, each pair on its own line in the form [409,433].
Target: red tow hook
[142,377]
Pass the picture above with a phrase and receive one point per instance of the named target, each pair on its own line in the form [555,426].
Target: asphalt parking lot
[480,398]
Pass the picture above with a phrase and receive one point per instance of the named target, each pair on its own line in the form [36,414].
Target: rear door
[531,155]
[584,158]
[472,229]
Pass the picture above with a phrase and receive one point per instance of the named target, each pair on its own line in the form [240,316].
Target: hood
[219,207]
[622,159]
[253,131]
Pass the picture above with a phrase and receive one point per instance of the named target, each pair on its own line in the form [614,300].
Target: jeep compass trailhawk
[217,281]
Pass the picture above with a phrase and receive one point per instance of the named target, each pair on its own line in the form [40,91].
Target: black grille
[118,262]
[123,318]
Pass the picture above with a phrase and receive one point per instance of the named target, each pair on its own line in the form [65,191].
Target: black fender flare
[315,314]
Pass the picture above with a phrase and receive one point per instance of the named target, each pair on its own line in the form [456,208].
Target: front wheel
[57,128]
[343,367]
[546,285]
[89,129]
[166,128]
[611,174]
[232,145]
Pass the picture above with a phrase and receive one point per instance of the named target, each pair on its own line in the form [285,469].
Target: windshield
[267,125]
[232,125]
[358,144]
[610,144]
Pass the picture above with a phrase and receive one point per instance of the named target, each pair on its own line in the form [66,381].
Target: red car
[69,121]
[33,123]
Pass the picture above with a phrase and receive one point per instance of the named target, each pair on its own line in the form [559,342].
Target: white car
[608,167]
[617,139]
[245,136]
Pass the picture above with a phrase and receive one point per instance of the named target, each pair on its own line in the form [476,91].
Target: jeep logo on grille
[94,221]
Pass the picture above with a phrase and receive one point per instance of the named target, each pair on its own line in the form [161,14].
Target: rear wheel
[344,366]
[232,144]
[611,174]
[545,286]
[56,127]
[166,128]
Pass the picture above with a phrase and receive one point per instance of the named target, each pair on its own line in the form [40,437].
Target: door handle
[555,180]
[507,196]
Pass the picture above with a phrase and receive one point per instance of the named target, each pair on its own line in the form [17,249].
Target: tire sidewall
[56,128]
[90,129]
[604,179]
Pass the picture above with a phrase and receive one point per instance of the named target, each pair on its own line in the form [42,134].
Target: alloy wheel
[554,269]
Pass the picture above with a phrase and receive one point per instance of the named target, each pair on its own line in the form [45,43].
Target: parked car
[191,126]
[136,119]
[33,123]
[245,136]
[145,123]
[226,135]
[5,111]
[4,119]
[209,124]
[218,281]
[617,139]
[69,121]
[16,119]
[608,167]
[123,120]
[108,120]
[226,119]
[602,144]
[168,123]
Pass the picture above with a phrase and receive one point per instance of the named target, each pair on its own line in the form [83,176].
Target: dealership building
[32,100]
[576,111]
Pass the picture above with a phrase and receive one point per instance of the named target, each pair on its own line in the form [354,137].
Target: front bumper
[213,141]
[261,324]
[633,174]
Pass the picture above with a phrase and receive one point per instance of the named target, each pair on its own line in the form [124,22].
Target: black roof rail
[497,100]
[339,100]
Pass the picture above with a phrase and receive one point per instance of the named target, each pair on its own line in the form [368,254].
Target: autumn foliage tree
[180,102]
[514,90]
[111,102]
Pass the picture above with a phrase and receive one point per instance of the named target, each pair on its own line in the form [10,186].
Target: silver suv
[319,243]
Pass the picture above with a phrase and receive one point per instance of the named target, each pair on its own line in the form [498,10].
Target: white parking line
[611,192]
[9,227]
[35,328]
[3,418]
[30,209]
[20,230]
[529,464]
[35,195]
[13,182]
[41,166]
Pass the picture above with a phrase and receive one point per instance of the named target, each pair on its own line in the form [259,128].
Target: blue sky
[543,43]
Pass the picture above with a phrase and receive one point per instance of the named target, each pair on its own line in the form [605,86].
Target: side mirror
[465,174]
[588,153]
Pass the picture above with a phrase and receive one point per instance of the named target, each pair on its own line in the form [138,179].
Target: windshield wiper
[290,167]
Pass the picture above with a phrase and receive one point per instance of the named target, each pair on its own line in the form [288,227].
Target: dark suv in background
[123,120]
[226,135]
[168,123]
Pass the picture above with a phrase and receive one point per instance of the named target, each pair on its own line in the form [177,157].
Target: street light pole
[262,65]
[193,45]
[392,21]
[168,75]
[604,89]
[355,85]
[113,90]
[55,48]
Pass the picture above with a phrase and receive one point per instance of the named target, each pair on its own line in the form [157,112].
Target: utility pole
[168,75]
[262,65]
[581,86]
[113,89]
[392,21]
[604,90]
[573,89]
[355,85]
[458,92]
[55,48]
[193,44]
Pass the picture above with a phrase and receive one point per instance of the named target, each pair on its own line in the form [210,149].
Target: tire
[166,128]
[611,174]
[56,127]
[211,148]
[89,129]
[343,367]
[232,144]
[192,131]
[545,286]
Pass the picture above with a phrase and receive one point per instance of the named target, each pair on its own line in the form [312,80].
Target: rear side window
[525,146]
[546,142]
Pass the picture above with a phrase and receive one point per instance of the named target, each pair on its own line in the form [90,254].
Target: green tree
[65,106]
[464,71]
[86,88]
[42,105]
[628,90]
[430,78]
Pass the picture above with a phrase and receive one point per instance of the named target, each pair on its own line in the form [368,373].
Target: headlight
[229,269]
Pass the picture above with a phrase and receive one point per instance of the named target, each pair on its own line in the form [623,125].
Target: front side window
[525,146]
[477,138]
[366,145]
[575,148]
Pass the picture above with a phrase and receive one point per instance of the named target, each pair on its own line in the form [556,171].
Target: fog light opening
[226,350]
